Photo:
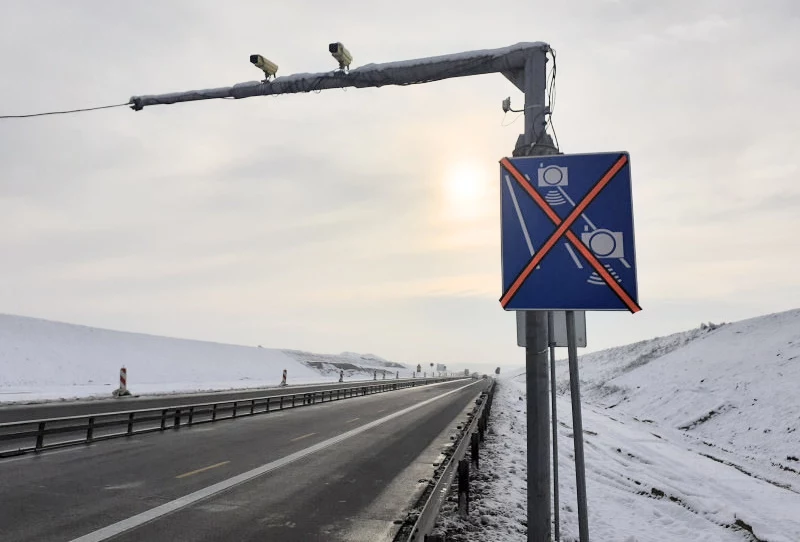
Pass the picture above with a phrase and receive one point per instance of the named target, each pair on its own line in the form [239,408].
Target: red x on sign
[563,230]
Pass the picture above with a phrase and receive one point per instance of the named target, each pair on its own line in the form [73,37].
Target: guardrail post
[214,412]
[267,410]
[191,416]
[474,443]
[293,396]
[177,423]
[163,419]
[252,406]
[463,488]
[90,430]
[235,408]
[130,423]
[40,437]
[481,429]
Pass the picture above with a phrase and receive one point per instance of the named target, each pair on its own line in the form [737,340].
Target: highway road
[341,471]
[16,412]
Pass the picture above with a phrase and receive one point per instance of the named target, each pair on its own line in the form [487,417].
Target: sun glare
[465,192]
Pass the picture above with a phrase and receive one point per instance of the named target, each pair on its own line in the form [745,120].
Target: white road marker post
[123,382]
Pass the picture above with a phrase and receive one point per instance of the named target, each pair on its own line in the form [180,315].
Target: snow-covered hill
[690,437]
[44,360]
[734,385]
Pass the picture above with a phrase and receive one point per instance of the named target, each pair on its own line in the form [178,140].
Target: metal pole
[534,81]
[577,428]
[550,334]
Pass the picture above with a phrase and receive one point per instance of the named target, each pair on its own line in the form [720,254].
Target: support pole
[536,142]
[577,428]
[551,339]
[538,419]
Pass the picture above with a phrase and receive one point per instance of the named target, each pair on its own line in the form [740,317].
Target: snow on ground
[734,387]
[660,466]
[641,485]
[354,365]
[42,360]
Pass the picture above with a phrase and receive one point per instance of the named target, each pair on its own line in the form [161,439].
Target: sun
[465,192]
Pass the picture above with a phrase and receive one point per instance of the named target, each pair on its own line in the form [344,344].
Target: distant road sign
[567,233]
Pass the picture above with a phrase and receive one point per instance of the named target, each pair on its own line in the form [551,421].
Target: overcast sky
[368,220]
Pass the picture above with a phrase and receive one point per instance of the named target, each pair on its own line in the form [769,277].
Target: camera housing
[341,54]
[267,66]
[553,176]
[604,243]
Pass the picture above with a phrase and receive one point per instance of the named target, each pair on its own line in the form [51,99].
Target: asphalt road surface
[341,471]
[15,413]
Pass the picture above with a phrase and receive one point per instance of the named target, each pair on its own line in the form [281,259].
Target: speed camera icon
[604,243]
[553,176]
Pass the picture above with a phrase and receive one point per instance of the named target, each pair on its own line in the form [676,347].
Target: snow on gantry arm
[506,60]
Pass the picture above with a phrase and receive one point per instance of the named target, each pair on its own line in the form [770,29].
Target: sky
[367,220]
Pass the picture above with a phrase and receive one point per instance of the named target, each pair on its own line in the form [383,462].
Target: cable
[62,112]
[502,122]
[551,99]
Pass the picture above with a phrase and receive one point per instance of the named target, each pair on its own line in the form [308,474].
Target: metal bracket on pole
[517,77]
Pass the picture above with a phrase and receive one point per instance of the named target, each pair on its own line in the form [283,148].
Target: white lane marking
[129,485]
[301,437]
[154,513]
[198,471]
[353,420]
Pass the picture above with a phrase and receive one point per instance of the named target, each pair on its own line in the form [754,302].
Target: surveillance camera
[269,68]
[340,53]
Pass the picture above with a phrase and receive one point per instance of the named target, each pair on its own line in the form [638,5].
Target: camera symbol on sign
[604,243]
[552,176]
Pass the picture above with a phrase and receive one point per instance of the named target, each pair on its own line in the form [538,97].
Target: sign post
[567,245]
[577,429]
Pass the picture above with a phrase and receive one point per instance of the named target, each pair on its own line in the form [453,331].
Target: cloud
[323,221]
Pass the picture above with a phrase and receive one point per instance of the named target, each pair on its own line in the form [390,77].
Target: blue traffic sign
[567,233]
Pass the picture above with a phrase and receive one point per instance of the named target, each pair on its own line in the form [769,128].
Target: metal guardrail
[426,519]
[30,435]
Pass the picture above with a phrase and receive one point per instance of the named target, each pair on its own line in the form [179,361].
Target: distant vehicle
[485,376]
